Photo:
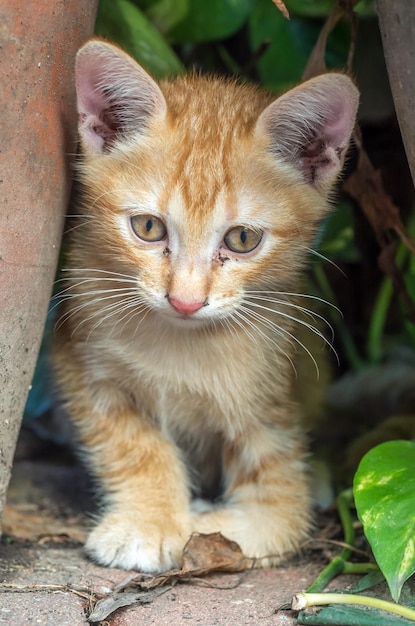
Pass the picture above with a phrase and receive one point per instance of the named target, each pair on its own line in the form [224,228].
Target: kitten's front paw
[262,532]
[133,543]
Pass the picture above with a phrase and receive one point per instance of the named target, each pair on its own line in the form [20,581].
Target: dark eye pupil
[244,236]
[149,225]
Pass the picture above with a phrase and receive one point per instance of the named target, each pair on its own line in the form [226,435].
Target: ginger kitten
[182,322]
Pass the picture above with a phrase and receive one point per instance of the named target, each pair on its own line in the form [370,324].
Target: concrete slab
[248,598]
[45,578]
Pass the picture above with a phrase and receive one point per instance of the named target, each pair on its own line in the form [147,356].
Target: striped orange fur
[183,322]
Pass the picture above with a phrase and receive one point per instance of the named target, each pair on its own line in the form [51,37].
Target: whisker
[237,314]
[88,219]
[322,257]
[105,193]
[308,312]
[132,303]
[73,311]
[298,295]
[98,271]
[243,314]
[69,295]
[262,319]
[111,309]
[266,322]
[310,327]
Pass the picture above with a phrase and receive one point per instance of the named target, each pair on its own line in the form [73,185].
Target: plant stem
[344,499]
[380,309]
[333,569]
[359,568]
[305,600]
[339,564]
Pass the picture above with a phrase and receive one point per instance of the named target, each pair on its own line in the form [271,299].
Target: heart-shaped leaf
[384,490]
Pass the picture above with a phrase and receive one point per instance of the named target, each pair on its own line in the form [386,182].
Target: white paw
[262,533]
[120,541]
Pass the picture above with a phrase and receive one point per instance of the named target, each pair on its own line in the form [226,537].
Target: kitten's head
[202,190]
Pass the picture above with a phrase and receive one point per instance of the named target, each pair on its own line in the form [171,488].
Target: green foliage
[210,21]
[384,489]
[164,14]
[123,22]
[310,8]
[290,45]
[337,238]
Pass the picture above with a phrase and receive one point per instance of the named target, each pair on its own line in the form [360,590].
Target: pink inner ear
[116,97]
[92,104]
[341,122]
[310,126]
[91,99]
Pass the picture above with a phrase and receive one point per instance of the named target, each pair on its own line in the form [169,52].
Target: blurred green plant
[384,497]
[384,491]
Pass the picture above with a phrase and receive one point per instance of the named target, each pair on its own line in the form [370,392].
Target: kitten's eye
[241,239]
[148,228]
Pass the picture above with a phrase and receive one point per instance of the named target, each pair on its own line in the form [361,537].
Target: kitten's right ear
[116,97]
[310,126]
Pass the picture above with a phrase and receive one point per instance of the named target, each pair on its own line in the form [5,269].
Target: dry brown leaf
[365,186]
[103,608]
[281,6]
[202,555]
[316,63]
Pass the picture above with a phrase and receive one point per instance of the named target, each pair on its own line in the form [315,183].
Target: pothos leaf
[384,490]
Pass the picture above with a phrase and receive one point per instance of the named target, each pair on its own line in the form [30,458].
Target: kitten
[180,334]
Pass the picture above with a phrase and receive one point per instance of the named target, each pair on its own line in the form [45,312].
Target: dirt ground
[46,579]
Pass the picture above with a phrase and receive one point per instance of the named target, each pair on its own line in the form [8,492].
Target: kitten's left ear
[116,97]
[310,126]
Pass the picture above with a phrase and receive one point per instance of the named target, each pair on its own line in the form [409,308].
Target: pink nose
[185,308]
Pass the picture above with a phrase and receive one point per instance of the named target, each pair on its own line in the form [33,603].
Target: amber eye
[148,228]
[242,239]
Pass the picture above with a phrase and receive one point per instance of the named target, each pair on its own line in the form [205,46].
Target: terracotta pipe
[38,42]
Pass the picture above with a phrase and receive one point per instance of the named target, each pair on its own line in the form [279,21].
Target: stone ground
[45,578]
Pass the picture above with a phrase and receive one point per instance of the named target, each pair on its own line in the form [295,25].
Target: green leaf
[122,22]
[337,241]
[210,21]
[310,8]
[368,581]
[164,14]
[384,490]
[291,40]
[321,8]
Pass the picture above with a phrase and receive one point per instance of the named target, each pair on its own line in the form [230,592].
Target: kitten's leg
[146,520]
[266,505]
